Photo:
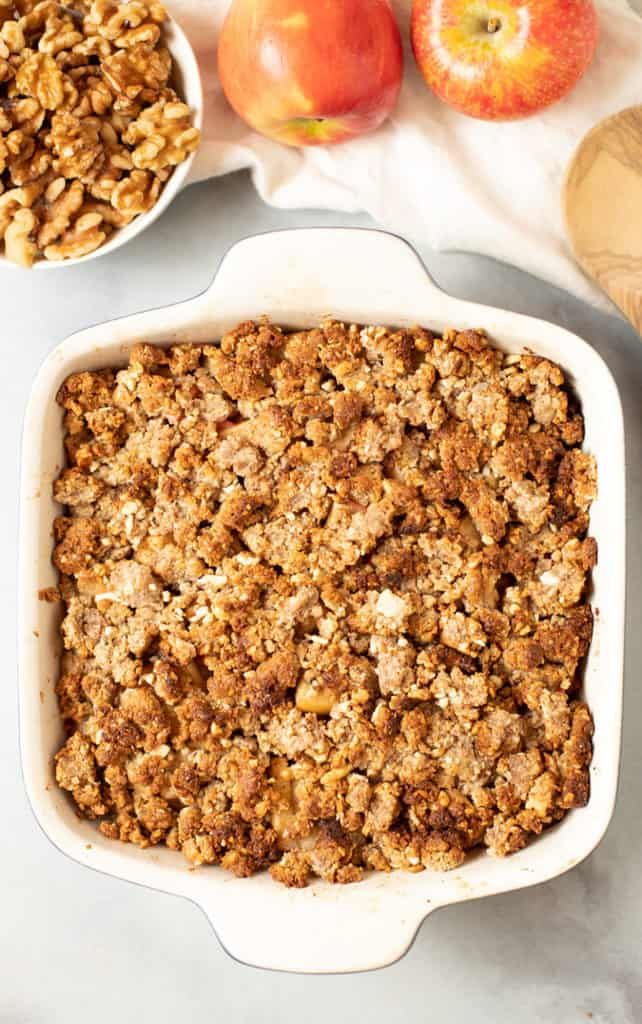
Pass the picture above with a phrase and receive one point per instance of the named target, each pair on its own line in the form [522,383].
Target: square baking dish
[296,277]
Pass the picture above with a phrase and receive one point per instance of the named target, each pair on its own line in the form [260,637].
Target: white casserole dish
[296,277]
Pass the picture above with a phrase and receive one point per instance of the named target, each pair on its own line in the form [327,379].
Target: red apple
[307,72]
[501,59]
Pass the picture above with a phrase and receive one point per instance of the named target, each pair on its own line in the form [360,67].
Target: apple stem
[493,25]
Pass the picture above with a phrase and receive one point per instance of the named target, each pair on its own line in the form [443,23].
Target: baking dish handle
[318,930]
[360,274]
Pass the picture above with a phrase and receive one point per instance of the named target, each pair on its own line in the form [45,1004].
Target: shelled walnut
[90,126]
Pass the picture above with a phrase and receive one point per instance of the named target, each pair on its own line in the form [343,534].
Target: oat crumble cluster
[90,127]
[325,599]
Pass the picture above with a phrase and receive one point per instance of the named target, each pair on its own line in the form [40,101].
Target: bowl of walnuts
[100,114]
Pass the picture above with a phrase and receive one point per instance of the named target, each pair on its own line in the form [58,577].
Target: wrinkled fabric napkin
[431,174]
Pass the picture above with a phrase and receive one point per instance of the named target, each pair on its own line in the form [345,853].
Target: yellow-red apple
[307,72]
[502,59]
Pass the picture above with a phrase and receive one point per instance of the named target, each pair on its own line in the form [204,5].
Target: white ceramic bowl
[187,82]
[296,277]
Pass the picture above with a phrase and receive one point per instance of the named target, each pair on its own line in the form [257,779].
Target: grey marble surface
[78,947]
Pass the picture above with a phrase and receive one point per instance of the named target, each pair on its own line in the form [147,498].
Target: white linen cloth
[431,174]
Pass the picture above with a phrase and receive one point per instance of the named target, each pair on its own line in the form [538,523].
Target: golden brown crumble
[325,599]
[90,126]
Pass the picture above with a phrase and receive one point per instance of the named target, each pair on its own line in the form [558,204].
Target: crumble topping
[325,599]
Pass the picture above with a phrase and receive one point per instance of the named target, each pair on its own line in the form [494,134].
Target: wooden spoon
[602,203]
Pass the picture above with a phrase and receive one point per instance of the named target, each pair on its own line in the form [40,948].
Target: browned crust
[325,599]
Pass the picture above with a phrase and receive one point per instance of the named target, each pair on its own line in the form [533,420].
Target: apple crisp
[325,599]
